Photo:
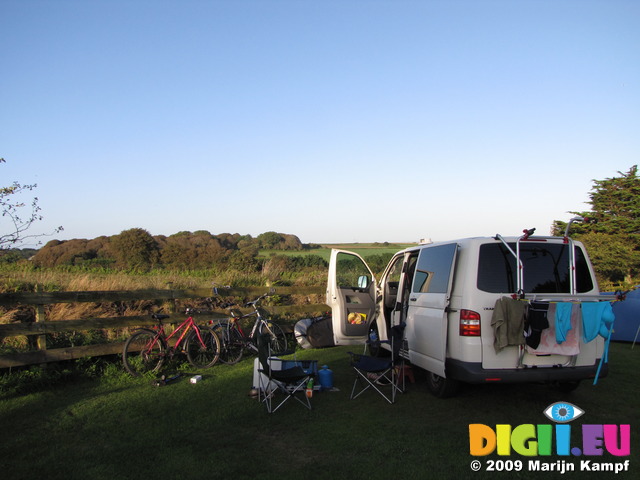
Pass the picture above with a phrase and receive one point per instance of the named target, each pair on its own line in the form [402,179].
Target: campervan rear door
[426,329]
[351,293]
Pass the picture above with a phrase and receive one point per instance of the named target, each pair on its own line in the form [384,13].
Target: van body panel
[427,318]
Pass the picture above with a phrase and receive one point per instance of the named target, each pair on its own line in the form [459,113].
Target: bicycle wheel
[143,352]
[231,342]
[199,355]
[278,342]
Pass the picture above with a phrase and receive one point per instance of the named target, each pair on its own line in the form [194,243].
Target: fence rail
[41,327]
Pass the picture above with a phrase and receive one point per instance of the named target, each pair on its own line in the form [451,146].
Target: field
[362,249]
[104,424]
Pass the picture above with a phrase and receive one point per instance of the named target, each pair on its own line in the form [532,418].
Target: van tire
[441,387]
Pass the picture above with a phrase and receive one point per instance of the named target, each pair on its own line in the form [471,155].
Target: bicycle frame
[235,340]
[147,348]
[185,326]
[234,322]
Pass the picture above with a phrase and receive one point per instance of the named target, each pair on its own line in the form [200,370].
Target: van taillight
[469,323]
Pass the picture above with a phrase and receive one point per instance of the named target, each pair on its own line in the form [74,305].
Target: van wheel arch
[442,387]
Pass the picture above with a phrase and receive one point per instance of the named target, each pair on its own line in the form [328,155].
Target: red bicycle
[147,349]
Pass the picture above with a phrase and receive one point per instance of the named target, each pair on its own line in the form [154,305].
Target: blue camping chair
[380,373]
[290,380]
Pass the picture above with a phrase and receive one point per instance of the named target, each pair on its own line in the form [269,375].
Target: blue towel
[563,321]
[597,319]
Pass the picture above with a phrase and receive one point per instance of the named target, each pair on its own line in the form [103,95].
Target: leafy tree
[270,240]
[192,250]
[245,259]
[15,223]
[291,242]
[615,256]
[611,230]
[135,249]
[90,253]
[615,206]
[279,241]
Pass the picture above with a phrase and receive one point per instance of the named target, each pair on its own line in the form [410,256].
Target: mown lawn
[119,427]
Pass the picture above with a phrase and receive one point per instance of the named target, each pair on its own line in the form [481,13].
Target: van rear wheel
[441,387]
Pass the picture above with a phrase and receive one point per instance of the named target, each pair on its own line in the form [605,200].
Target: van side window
[434,269]
[545,267]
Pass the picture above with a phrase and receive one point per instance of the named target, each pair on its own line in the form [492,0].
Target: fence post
[41,340]
[173,302]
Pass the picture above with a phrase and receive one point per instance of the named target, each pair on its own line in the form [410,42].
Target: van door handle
[414,299]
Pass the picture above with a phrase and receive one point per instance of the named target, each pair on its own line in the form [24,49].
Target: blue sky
[337,121]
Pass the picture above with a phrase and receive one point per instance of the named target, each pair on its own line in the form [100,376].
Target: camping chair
[375,372]
[290,381]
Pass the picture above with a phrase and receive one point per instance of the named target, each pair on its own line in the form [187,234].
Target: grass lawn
[119,427]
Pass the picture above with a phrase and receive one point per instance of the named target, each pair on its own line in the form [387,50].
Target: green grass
[362,249]
[115,426]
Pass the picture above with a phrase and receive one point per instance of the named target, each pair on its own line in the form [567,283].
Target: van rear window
[545,268]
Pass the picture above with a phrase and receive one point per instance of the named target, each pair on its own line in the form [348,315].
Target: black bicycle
[234,341]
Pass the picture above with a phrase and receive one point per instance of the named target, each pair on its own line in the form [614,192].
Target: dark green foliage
[192,251]
[616,257]
[378,262]
[135,249]
[615,207]
[75,252]
[279,241]
[245,259]
[301,262]
[612,230]
[14,255]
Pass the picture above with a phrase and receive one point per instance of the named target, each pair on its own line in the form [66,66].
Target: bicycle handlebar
[253,303]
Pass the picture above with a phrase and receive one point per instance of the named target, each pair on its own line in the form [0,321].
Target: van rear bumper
[474,373]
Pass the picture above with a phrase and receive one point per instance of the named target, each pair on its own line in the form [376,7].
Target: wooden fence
[41,327]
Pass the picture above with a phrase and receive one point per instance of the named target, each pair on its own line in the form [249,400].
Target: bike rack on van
[527,234]
[573,296]
[571,361]
[519,278]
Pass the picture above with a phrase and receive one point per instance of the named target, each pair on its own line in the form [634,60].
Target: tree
[615,206]
[135,249]
[269,240]
[611,231]
[15,223]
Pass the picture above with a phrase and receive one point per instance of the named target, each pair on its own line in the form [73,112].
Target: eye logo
[563,412]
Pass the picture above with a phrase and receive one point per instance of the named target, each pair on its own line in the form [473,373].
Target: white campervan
[445,294]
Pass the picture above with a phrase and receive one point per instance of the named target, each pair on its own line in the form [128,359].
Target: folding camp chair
[378,372]
[289,381]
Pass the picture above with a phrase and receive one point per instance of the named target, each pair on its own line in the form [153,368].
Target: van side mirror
[363,282]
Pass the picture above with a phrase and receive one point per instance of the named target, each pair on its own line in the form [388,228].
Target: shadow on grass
[125,428]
